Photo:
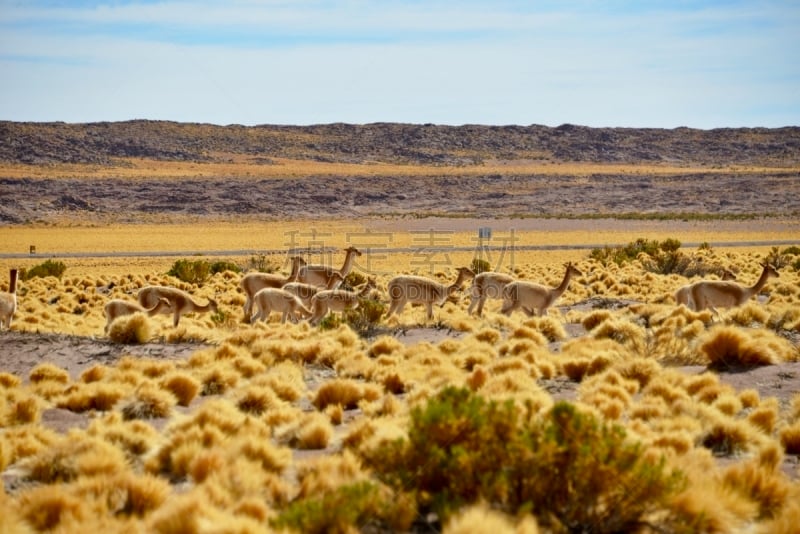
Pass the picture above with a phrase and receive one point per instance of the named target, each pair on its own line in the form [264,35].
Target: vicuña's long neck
[295,271]
[564,284]
[348,263]
[760,283]
[12,284]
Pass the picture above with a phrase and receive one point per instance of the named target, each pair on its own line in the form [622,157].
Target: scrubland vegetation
[347,426]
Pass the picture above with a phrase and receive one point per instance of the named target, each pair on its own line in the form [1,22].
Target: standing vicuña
[116,308]
[535,298]
[306,292]
[273,299]
[8,301]
[252,283]
[420,290]
[181,302]
[487,285]
[320,275]
[683,295]
[718,294]
[338,300]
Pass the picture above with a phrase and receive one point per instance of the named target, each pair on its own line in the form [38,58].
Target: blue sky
[636,63]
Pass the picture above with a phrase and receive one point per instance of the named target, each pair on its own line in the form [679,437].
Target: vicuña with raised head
[532,298]
[320,275]
[713,294]
[487,285]
[684,294]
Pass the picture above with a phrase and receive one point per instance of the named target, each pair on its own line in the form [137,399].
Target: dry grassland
[240,166]
[263,419]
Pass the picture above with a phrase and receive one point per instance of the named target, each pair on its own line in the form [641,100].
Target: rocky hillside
[101,143]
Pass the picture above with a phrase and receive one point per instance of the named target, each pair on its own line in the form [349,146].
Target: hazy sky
[637,63]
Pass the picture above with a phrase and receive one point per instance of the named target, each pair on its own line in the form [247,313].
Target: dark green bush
[222,266]
[48,268]
[191,271]
[353,280]
[480,265]
[346,509]
[261,263]
[364,320]
[572,471]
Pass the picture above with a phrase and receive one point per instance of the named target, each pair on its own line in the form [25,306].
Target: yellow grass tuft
[790,438]
[625,332]
[594,318]
[480,519]
[76,454]
[326,473]
[766,487]
[749,314]
[94,374]
[47,372]
[256,400]
[135,438]
[346,392]
[384,345]
[218,380]
[148,402]
[183,386]
[490,336]
[730,347]
[50,508]
[100,396]
[765,415]
[135,329]
[9,381]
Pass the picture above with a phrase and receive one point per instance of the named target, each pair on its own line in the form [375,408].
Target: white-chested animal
[487,285]
[713,294]
[684,296]
[534,298]
[180,301]
[8,301]
[404,289]
[305,292]
[338,300]
[274,299]
[320,275]
[252,283]
[116,308]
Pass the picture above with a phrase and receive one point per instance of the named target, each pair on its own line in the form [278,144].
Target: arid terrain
[405,178]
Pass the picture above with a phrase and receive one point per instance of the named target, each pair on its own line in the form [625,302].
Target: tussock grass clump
[183,386]
[148,402]
[790,438]
[256,400]
[311,431]
[135,329]
[47,372]
[218,380]
[100,396]
[384,345]
[346,392]
[76,454]
[729,347]
[9,381]
[135,438]
[50,508]
[480,519]
[19,408]
[766,487]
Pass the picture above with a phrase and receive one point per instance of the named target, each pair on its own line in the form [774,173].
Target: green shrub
[364,320]
[193,272]
[48,268]
[571,470]
[776,258]
[480,265]
[354,279]
[222,266]
[793,250]
[346,509]
[260,263]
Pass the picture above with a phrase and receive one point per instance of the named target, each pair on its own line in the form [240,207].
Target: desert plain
[127,430]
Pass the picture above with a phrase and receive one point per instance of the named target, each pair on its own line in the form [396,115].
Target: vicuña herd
[311,292]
